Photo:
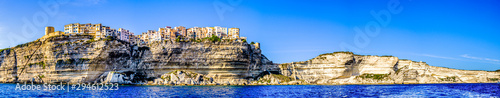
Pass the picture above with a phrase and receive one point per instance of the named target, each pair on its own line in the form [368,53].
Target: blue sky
[460,34]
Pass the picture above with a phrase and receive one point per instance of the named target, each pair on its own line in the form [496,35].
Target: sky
[461,34]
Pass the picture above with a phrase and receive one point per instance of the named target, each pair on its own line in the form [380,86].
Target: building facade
[77,28]
[167,33]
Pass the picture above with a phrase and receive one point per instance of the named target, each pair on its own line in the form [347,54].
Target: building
[234,33]
[77,28]
[103,33]
[49,31]
[209,31]
[163,34]
[123,34]
[166,33]
[154,36]
[194,33]
[180,31]
[132,39]
[220,31]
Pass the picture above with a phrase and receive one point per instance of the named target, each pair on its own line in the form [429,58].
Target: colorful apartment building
[194,33]
[123,34]
[104,32]
[234,33]
[77,28]
[220,31]
[168,33]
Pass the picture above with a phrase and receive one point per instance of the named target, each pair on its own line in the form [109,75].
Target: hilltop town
[167,33]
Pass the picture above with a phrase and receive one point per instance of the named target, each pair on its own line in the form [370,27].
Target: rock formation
[82,59]
[349,68]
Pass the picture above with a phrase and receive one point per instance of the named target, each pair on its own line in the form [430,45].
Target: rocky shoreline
[81,59]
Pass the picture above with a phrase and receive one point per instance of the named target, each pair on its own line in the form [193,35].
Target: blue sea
[414,90]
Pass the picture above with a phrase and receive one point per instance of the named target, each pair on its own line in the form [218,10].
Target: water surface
[414,90]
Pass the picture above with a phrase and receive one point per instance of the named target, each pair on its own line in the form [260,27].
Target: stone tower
[49,30]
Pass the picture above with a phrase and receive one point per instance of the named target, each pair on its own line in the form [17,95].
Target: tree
[178,39]
[214,38]
[252,42]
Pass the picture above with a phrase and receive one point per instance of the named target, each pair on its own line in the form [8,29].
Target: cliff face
[348,68]
[77,59]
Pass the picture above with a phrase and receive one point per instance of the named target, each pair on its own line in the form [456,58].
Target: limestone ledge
[349,68]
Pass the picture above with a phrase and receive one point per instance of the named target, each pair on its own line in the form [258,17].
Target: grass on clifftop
[346,52]
[1,50]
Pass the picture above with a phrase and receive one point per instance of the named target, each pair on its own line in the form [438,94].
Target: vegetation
[167,77]
[340,77]
[91,40]
[244,40]
[214,39]
[284,65]
[493,79]
[84,59]
[41,76]
[27,57]
[374,76]
[252,42]
[69,61]
[280,78]
[346,52]
[453,78]
[178,39]
[109,38]
[1,50]
[39,63]
[26,44]
[66,43]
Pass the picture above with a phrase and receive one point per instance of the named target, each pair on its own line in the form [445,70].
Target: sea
[129,91]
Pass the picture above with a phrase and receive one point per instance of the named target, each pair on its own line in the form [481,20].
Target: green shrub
[41,76]
[214,39]
[453,78]
[386,56]
[178,39]
[1,50]
[493,79]
[109,38]
[84,59]
[69,61]
[374,76]
[252,42]
[346,52]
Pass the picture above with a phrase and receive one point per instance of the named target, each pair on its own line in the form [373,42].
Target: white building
[123,34]
[154,36]
[111,32]
[210,31]
[220,31]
